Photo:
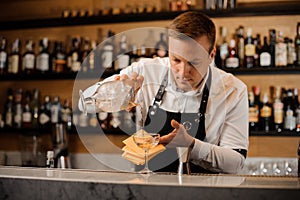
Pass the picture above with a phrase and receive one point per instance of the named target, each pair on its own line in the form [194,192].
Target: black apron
[159,121]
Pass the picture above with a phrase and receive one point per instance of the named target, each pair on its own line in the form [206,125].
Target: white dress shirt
[226,118]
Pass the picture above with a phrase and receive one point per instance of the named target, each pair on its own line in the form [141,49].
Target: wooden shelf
[242,11]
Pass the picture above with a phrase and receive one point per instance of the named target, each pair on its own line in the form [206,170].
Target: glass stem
[146,159]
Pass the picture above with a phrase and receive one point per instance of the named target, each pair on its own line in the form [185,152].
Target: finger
[117,78]
[166,139]
[123,77]
[133,76]
[175,124]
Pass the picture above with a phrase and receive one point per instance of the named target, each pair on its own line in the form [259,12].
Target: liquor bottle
[3,56]
[296,98]
[272,43]
[74,60]
[85,55]
[35,106]
[18,108]
[107,54]
[56,111]
[134,54]
[66,115]
[28,60]
[256,91]
[123,58]
[265,56]
[45,114]
[241,44]
[8,109]
[257,44]
[291,54]
[249,50]
[278,110]
[103,120]
[232,60]
[59,58]
[93,56]
[297,45]
[298,153]
[14,59]
[161,47]
[43,59]
[265,120]
[280,51]
[222,48]
[289,109]
[253,113]
[27,112]
[297,107]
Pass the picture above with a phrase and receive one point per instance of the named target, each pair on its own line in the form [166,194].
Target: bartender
[191,102]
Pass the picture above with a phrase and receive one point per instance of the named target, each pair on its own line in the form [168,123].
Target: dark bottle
[265,120]
[232,60]
[241,44]
[84,54]
[14,58]
[272,43]
[45,114]
[265,55]
[249,50]
[134,54]
[8,109]
[123,57]
[28,60]
[256,91]
[297,45]
[107,53]
[3,56]
[74,60]
[253,113]
[43,59]
[257,44]
[27,112]
[222,48]
[161,47]
[289,109]
[278,112]
[35,106]
[59,58]
[296,98]
[18,108]
[56,111]
[66,115]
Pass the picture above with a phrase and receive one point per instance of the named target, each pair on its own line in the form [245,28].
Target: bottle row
[26,110]
[276,110]
[81,55]
[248,51]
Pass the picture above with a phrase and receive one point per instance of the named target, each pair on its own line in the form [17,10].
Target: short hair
[193,24]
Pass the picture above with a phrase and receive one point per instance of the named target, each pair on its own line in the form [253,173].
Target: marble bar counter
[42,183]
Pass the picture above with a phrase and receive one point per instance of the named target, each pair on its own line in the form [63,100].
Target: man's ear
[213,53]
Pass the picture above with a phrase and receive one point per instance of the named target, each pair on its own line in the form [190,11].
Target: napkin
[136,154]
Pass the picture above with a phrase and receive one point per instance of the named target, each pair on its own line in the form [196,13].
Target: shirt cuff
[200,150]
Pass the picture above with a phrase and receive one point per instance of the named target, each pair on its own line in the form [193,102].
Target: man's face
[189,61]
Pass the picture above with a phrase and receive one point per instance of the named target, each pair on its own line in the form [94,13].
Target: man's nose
[184,68]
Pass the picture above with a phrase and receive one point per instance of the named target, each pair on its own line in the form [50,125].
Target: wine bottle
[14,59]
[18,108]
[265,55]
[56,111]
[28,60]
[241,44]
[123,58]
[107,54]
[280,51]
[297,45]
[249,50]
[3,56]
[232,60]
[266,123]
[272,43]
[45,114]
[85,55]
[289,109]
[161,47]
[27,112]
[222,48]
[8,109]
[59,58]
[43,60]
[66,115]
[253,113]
[74,60]
[278,110]
[35,106]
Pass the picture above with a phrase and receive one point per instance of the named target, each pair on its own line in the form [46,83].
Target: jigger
[184,157]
